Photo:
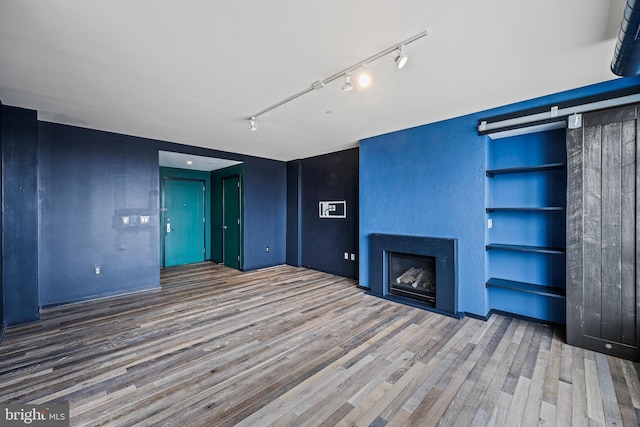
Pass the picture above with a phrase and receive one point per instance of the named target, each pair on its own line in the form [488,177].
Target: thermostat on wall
[334,209]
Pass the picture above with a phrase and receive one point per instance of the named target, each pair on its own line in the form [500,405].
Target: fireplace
[415,270]
[412,276]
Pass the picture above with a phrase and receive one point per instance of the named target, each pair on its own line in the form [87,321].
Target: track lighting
[400,58]
[363,78]
[347,86]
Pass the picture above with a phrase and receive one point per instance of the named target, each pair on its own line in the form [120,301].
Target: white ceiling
[188,161]
[193,71]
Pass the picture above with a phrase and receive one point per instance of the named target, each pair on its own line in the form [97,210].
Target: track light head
[400,58]
[364,77]
[347,86]
[252,124]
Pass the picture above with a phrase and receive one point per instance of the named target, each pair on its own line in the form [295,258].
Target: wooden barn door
[602,231]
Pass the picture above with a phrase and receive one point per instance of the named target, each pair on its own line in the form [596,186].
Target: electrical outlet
[490,223]
[266,249]
[353,257]
[97,270]
[346,255]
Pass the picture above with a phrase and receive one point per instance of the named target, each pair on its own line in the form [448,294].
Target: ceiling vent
[626,59]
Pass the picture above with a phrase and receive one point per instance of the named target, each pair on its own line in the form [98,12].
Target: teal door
[184,224]
[231,222]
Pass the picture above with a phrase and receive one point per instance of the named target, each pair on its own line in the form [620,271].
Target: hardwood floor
[289,346]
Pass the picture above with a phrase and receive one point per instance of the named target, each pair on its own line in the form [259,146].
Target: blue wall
[63,190]
[430,181]
[330,177]
[88,178]
[20,215]
[265,220]
[294,213]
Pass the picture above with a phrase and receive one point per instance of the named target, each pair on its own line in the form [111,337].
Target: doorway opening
[196,204]
[231,221]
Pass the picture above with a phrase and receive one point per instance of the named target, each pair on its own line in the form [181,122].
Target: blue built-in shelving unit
[526,200]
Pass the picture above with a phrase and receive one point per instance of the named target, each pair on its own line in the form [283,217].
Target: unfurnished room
[338,213]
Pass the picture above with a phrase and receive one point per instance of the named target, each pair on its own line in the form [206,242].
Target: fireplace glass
[413,276]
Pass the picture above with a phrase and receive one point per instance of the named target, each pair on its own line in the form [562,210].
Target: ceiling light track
[397,49]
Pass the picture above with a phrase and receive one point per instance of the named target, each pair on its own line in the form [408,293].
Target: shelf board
[523,169]
[523,248]
[531,209]
[532,288]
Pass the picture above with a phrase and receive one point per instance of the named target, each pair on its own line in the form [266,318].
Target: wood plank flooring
[286,346]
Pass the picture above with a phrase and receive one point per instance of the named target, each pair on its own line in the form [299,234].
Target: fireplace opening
[389,255]
[413,276]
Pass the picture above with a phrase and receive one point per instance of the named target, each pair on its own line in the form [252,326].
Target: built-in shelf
[531,288]
[523,248]
[526,224]
[530,209]
[523,169]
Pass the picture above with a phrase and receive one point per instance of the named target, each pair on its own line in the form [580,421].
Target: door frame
[240,224]
[163,210]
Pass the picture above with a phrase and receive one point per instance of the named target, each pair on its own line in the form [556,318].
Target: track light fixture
[400,58]
[347,86]
[364,76]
